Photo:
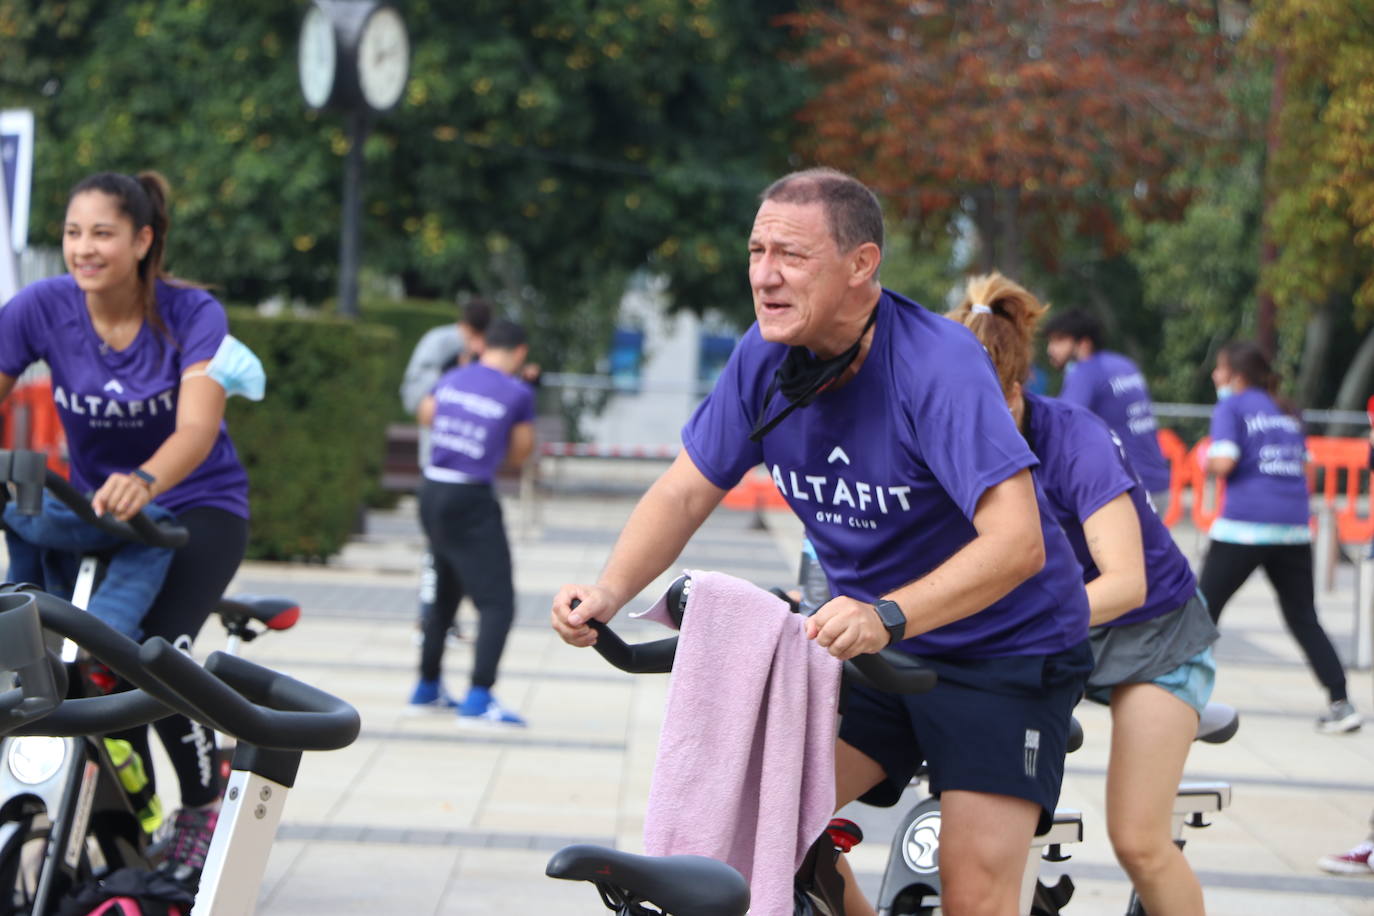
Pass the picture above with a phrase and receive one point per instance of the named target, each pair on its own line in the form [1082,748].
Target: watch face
[317,57]
[383,59]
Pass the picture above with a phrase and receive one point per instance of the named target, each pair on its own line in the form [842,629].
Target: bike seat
[1218,723]
[273,613]
[680,885]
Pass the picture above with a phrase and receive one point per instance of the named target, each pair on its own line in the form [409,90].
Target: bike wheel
[21,864]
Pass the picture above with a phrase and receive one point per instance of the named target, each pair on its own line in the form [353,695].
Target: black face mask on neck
[802,377]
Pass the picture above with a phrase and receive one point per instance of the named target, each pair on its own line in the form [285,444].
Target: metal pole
[1364,616]
[350,243]
[1326,549]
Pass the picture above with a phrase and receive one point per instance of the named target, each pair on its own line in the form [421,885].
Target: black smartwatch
[890,613]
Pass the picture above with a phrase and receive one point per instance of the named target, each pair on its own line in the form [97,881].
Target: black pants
[430,576]
[1289,568]
[197,578]
[467,539]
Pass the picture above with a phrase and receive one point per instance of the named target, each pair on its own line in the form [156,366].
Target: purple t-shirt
[1112,387]
[886,472]
[1269,483]
[1083,466]
[118,406]
[474,410]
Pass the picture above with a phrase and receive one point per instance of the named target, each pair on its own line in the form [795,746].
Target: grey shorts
[1172,650]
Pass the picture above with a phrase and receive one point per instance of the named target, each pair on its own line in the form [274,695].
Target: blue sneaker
[479,707]
[430,696]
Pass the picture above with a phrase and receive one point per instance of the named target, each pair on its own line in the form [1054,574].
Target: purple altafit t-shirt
[474,410]
[1112,387]
[1084,466]
[118,406]
[1269,483]
[887,471]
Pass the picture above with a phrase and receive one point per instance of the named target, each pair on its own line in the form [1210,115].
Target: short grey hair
[852,211]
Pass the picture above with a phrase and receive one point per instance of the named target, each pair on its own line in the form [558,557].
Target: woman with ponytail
[141,366]
[1151,635]
[1260,449]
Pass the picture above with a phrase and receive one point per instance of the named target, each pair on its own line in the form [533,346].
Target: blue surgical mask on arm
[236,369]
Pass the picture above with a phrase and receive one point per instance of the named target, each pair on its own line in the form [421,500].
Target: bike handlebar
[140,528]
[29,473]
[255,704]
[231,695]
[888,670]
[22,650]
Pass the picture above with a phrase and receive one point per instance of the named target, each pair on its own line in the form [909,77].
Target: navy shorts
[992,725]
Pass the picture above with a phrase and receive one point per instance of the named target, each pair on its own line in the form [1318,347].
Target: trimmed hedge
[313,447]
[410,319]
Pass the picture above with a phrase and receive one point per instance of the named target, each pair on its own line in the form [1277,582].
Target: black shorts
[992,725]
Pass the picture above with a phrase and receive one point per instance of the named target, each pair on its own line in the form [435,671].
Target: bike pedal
[1051,898]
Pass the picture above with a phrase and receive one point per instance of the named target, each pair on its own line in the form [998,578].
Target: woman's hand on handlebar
[594,602]
[123,496]
[847,627]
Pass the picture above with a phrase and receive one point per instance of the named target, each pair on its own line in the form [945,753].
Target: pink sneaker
[1354,862]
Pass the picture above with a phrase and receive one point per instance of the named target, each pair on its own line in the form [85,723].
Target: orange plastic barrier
[755,491]
[1195,466]
[1176,453]
[1334,456]
[30,409]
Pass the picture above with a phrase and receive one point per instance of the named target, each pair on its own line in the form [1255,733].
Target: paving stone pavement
[421,816]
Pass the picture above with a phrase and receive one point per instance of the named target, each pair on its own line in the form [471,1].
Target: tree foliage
[543,149]
[1198,274]
[1320,177]
[1023,112]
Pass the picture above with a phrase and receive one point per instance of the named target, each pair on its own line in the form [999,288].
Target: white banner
[9,266]
[16,182]
[16,164]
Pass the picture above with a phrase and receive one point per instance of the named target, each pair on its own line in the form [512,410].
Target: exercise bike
[695,885]
[1218,724]
[67,790]
[275,719]
[911,881]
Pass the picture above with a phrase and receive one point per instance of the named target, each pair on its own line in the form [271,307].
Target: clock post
[350,237]
[354,57]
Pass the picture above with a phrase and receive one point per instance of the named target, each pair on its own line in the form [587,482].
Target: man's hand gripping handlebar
[889,670]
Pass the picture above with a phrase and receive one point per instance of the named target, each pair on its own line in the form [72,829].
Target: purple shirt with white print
[475,408]
[1083,466]
[1269,483]
[887,471]
[117,407]
[1111,386]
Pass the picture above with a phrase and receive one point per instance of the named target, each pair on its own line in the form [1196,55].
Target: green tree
[1198,274]
[1319,185]
[543,150]
[568,143]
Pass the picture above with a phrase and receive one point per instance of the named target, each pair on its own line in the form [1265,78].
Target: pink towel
[746,759]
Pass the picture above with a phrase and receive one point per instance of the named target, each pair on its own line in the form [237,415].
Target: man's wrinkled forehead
[788,223]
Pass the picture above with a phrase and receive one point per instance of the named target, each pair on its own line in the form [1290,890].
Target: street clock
[354,55]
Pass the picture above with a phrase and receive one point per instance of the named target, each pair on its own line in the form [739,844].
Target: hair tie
[981,309]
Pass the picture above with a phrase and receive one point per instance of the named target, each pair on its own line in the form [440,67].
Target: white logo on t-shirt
[837,454]
[113,385]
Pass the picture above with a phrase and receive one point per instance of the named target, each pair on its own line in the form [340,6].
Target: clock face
[317,57]
[383,59]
